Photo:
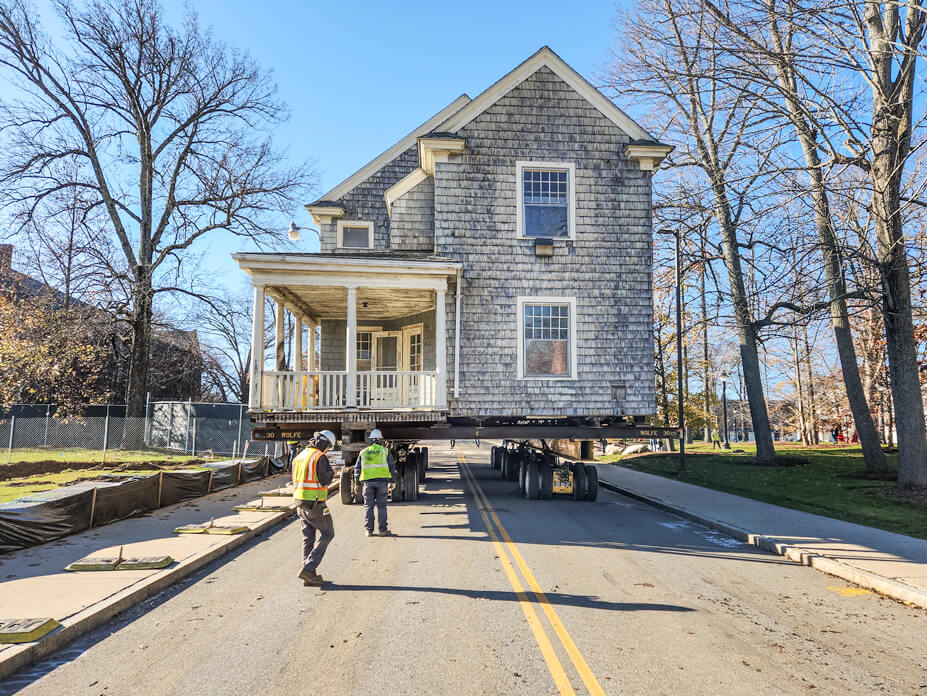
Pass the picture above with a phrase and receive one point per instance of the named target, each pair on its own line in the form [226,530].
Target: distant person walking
[715,440]
[311,475]
[835,433]
[375,468]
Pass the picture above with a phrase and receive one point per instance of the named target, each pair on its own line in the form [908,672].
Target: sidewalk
[34,584]
[891,564]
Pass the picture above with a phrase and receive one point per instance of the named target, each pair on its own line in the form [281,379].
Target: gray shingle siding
[607,268]
[334,333]
[412,226]
[365,202]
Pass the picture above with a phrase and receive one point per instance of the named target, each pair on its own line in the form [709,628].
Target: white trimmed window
[355,234]
[546,199]
[547,338]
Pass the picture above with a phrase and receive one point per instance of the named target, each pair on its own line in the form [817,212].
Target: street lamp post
[727,442]
[682,414]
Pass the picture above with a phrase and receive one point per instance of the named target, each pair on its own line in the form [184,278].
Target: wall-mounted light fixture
[544,246]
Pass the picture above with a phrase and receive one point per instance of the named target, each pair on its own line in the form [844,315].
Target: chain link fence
[104,433]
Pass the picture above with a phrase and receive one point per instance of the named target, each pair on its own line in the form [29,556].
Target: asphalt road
[483,592]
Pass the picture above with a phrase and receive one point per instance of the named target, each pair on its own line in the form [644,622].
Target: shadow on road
[557,598]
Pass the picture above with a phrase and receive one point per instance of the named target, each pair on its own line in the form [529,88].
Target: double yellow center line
[527,603]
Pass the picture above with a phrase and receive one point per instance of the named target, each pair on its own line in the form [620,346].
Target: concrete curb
[812,559]
[76,625]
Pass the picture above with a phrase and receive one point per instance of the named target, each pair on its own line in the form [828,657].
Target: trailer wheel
[579,481]
[592,483]
[503,462]
[411,483]
[346,485]
[425,457]
[420,465]
[547,476]
[532,488]
[395,495]
[515,460]
[523,473]
[493,453]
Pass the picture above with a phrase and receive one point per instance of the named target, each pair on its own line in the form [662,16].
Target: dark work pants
[375,493]
[314,516]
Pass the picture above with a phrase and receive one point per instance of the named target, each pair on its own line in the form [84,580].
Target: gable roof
[545,57]
[450,120]
[385,158]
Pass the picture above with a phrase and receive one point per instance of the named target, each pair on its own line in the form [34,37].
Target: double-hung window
[546,199]
[547,338]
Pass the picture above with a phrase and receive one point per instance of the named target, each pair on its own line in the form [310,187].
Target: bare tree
[668,58]
[170,130]
[764,39]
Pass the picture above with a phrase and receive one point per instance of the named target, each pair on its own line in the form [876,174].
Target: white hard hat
[330,436]
[375,434]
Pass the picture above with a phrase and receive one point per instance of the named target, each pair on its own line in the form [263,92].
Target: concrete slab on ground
[33,581]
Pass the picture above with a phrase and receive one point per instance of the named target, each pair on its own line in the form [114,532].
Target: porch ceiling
[372,303]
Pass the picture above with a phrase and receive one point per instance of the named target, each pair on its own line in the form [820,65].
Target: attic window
[546,199]
[355,234]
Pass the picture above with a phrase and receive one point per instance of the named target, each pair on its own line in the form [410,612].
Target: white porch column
[257,348]
[297,344]
[441,348]
[279,352]
[352,347]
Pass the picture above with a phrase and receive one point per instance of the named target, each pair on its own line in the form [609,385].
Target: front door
[384,387]
[412,362]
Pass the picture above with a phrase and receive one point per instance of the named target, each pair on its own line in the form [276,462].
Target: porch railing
[330,389]
[396,389]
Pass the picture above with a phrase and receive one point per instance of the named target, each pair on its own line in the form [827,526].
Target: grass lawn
[826,485]
[78,455]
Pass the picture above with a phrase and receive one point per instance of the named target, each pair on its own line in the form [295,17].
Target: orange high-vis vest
[306,484]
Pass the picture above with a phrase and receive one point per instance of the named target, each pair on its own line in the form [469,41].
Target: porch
[349,334]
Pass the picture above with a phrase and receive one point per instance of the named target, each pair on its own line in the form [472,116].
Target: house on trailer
[493,264]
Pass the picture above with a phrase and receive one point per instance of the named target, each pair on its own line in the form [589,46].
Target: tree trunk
[749,358]
[800,392]
[890,145]
[706,381]
[139,356]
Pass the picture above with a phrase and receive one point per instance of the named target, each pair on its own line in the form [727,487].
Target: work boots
[386,532]
[310,578]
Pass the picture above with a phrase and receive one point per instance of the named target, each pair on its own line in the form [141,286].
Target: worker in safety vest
[311,475]
[375,468]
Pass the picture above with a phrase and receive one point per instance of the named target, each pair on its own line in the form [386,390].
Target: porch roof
[389,285]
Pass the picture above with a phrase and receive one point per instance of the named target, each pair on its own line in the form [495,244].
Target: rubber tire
[514,464]
[532,488]
[410,483]
[592,483]
[579,481]
[346,485]
[547,477]
[420,465]
[395,495]
[425,457]
[494,458]
[503,462]
[522,474]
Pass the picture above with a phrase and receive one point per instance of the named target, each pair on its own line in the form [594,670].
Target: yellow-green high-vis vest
[374,464]
[306,484]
